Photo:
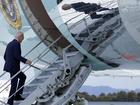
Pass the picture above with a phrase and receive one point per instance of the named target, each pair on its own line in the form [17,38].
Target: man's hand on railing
[29,62]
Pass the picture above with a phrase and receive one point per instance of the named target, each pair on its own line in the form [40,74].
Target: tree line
[121,96]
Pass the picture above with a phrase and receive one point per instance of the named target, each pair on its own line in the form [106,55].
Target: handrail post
[86,24]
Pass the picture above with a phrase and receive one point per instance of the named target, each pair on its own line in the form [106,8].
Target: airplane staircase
[50,85]
[57,83]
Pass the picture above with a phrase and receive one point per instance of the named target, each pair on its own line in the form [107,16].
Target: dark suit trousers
[16,83]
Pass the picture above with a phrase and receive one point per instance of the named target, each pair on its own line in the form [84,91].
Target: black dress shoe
[18,97]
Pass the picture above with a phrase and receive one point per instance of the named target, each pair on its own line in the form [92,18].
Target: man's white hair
[19,34]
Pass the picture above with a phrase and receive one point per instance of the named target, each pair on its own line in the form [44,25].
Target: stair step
[17,102]
[29,88]
[26,94]
[37,84]
[45,76]
[37,80]
[51,68]
[56,65]
[46,73]
[59,61]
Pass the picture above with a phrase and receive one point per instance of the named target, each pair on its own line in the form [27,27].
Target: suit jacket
[13,57]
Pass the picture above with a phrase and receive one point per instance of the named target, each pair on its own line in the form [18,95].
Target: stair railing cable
[19,72]
[25,84]
[29,80]
[23,67]
[26,54]
[29,66]
[35,67]
[36,75]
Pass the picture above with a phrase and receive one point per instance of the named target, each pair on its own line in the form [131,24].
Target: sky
[130,77]
[92,80]
[115,82]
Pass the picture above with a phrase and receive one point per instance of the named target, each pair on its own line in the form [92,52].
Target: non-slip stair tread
[45,76]
[26,94]
[36,84]
[47,73]
[17,102]
[29,88]
[38,80]
[51,68]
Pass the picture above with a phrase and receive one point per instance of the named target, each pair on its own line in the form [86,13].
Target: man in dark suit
[87,8]
[12,58]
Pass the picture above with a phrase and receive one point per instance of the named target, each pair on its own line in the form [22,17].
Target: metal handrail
[25,84]
[34,67]
[16,74]
[29,66]
[37,75]
[26,54]
[22,86]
